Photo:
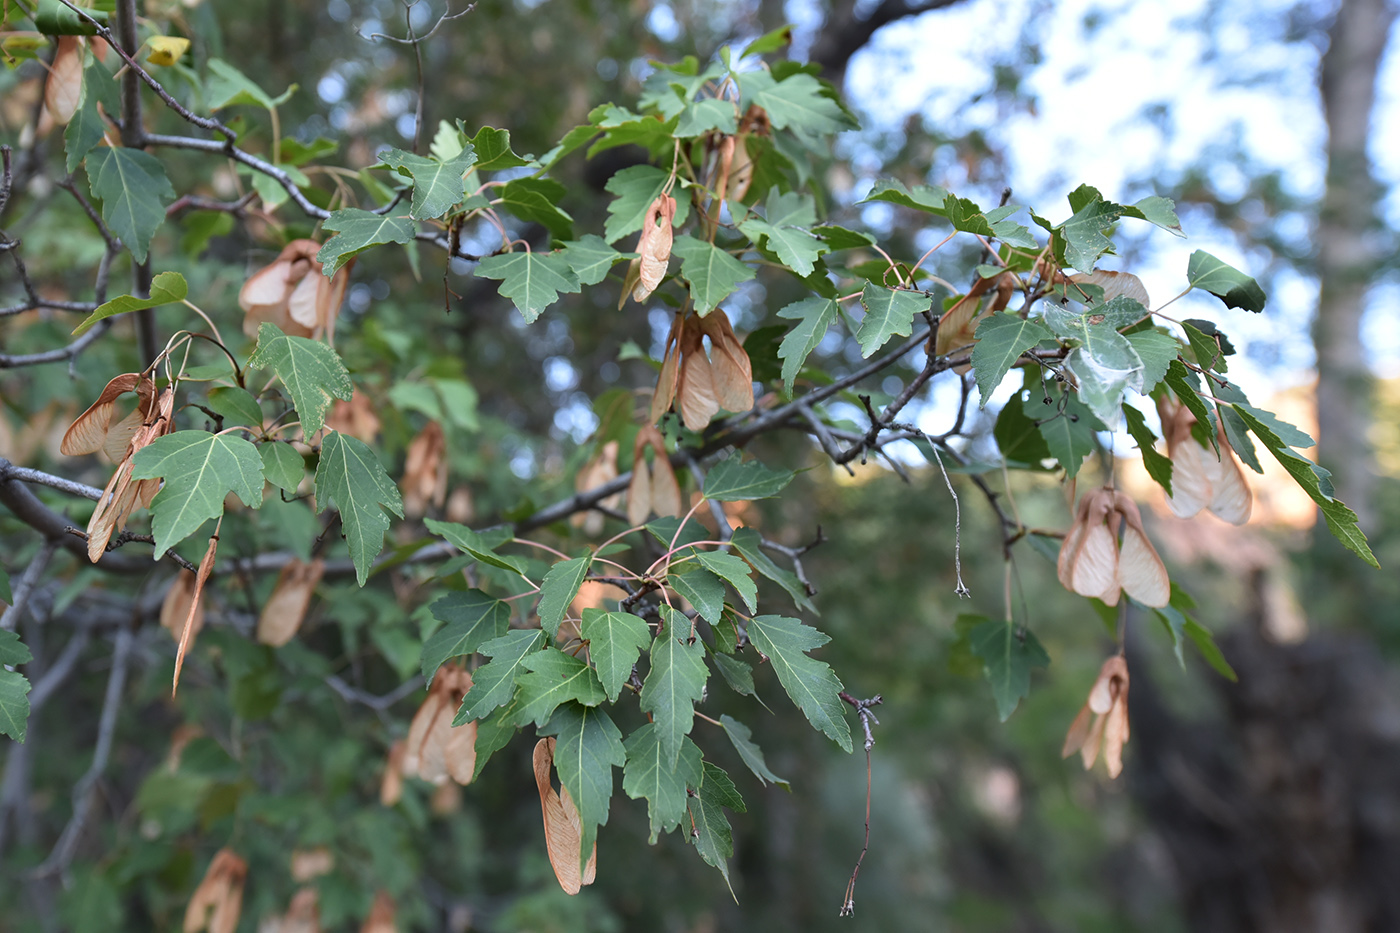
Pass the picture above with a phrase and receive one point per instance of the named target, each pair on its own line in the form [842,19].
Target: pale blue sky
[1093,86]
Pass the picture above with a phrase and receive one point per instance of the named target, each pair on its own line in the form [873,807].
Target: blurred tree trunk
[1345,249]
[1282,812]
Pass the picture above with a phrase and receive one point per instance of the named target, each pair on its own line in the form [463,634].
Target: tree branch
[846,31]
[62,853]
[32,575]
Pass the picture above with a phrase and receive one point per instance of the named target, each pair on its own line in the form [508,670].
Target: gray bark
[1346,255]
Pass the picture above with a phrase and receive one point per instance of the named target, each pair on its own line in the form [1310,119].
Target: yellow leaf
[166,50]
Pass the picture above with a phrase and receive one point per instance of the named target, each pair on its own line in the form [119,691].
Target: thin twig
[62,854]
[27,582]
[961,588]
[377,703]
[862,708]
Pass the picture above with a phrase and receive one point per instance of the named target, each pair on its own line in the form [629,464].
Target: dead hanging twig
[867,718]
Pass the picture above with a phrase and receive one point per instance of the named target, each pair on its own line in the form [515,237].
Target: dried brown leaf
[725,166]
[311,863]
[1088,562]
[654,246]
[381,917]
[563,830]
[175,610]
[1115,284]
[89,431]
[218,900]
[600,470]
[729,364]
[303,914]
[285,609]
[187,632]
[355,418]
[436,750]
[695,392]
[391,785]
[1108,705]
[958,324]
[667,379]
[425,471]
[639,489]
[1141,572]
[291,293]
[65,81]
[460,508]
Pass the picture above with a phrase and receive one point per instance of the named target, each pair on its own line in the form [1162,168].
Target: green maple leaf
[14,704]
[1224,281]
[473,618]
[1156,350]
[711,272]
[814,318]
[227,86]
[615,641]
[588,747]
[1105,367]
[809,682]
[709,113]
[798,102]
[1008,653]
[311,371]
[749,545]
[663,783]
[1158,466]
[552,678]
[734,480]
[134,190]
[1207,349]
[784,229]
[711,835]
[437,184]
[737,674]
[1159,211]
[282,465]
[351,475]
[700,588]
[742,738]
[675,683]
[477,545]
[199,470]
[492,734]
[1315,480]
[536,199]
[558,589]
[1070,434]
[1183,383]
[14,687]
[735,571]
[591,258]
[1001,339]
[493,150]
[1083,232]
[493,684]
[356,231]
[1017,436]
[532,281]
[86,128]
[887,312]
[166,287]
[927,198]
[636,187]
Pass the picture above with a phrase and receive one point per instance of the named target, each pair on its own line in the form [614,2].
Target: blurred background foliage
[1265,805]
